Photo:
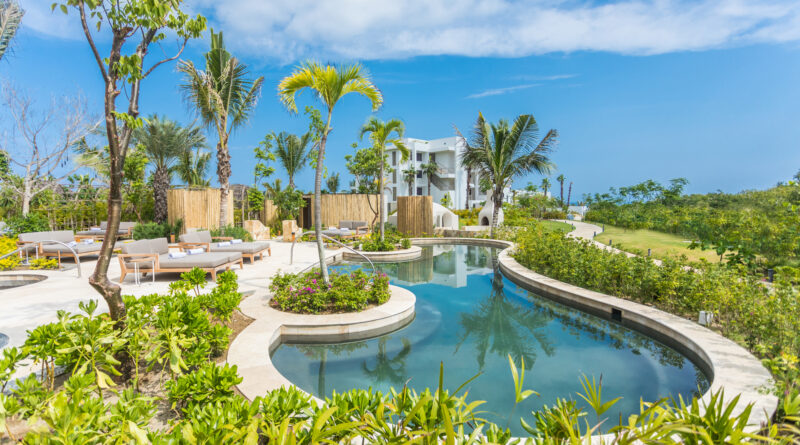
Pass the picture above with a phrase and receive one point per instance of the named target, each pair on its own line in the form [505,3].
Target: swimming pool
[470,317]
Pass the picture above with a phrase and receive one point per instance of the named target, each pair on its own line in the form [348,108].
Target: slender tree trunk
[469,185]
[160,186]
[497,198]
[223,175]
[410,187]
[429,184]
[380,196]
[562,193]
[569,195]
[323,267]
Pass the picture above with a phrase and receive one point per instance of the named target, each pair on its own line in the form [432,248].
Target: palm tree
[192,167]
[164,142]
[224,96]
[561,180]
[380,133]
[545,185]
[292,152]
[500,153]
[10,18]
[430,169]
[333,183]
[469,187]
[329,83]
[409,175]
[569,194]
[390,370]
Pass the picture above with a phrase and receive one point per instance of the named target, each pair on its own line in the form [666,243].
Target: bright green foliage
[208,384]
[446,200]
[224,298]
[307,293]
[33,222]
[235,232]
[152,230]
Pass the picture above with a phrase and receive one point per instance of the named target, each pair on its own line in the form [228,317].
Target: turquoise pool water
[471,318]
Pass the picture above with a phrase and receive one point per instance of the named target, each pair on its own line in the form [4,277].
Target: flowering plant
[347,292]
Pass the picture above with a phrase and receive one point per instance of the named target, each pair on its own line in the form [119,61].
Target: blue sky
[637,89]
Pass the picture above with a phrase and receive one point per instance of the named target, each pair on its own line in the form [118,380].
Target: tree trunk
[569,195]
[323,267]
[497,198]
[410,188]
[160,186]
[223,175]
[429,184]
[469,177]
[562,193]
[380,196]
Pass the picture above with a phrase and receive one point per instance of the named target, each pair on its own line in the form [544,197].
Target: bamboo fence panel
[415,215]
[199,209]
[269,213]
[343,207]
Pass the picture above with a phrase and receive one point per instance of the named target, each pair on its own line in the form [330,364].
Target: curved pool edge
[409,254]
[730,366]
[253,360]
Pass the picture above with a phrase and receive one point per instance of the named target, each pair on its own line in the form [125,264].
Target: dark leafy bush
[34,222]
[306,293]
[235,232]
[554,214]
[152,230]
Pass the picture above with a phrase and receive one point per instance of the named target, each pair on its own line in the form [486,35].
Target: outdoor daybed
[43,245]
[125,231]
[152,256]
[348,229]
[204,239]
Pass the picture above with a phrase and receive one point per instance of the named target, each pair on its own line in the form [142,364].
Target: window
[394,158]
[419,157]
[419,173]
[419,191]
[394,193]
[394,176]
[433,157]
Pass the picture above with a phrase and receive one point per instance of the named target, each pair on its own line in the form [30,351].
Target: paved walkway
[24,308]
[587,231]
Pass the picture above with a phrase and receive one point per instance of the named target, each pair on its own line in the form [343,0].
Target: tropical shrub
[10,263]
[34,222]
[235,232]
[374,244]
[7,244]
[348,292]
[208,384]
[152,230]
[554,214]
[43,263]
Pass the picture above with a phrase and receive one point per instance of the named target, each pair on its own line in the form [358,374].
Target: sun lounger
[157,251]
[204,239]
[125,231]
[41,244]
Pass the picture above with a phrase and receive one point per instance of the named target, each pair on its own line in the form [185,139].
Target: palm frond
[10,18]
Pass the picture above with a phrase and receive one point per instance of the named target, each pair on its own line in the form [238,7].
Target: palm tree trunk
[497,199]
[317,201]
[380,196]
[469,177]
[562,193]
[429,184]
[160,186]
[569,194]
[223,175]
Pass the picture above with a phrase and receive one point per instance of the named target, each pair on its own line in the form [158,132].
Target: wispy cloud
[499,91]
[364,29]
[552,77]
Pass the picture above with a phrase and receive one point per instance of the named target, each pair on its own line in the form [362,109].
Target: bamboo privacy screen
[342,207]
[415,215]
[199,209]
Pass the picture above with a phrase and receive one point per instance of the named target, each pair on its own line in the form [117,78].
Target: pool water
[471,318]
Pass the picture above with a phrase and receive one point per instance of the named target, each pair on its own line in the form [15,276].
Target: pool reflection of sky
[471,318]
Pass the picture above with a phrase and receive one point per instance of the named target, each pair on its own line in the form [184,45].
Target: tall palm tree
[192,167]
[164,141]
[224,96]
[561,180]
[10,18]
[332,183]
[469,187]
[380,133]
[545,185]
[409,175]
[569,194]
[500,153]
[329,83]
[429,169]
[387,369]
[292,152]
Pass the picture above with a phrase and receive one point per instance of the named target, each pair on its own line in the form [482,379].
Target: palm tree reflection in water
[388,370]
[505,328]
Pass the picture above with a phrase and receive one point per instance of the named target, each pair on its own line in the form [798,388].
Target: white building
[451,179]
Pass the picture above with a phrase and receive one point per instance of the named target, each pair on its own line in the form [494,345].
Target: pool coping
[409,254]
[730,366]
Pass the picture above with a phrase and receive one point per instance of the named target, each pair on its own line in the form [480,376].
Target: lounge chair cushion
[347,224]
[248,248]
[79,248]
[159,246]
[204,260]
[141,246]
[65,236]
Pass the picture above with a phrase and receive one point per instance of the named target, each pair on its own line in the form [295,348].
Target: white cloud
[384,29]
[499,91]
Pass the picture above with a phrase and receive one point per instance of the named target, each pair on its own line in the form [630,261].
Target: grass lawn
[662,244]
[557,226]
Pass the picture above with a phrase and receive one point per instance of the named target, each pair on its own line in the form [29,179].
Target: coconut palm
[291,151]
[10,18]
[164,142]
[329,83]
[545,185]
[429,169]
[192,167]
[569,194]
[561,180]
[499,153]
[409,175]
[332,183]
[224,95]
[387,369]
[380,133]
